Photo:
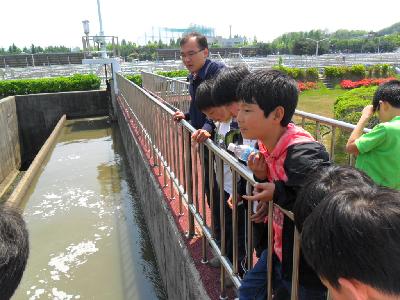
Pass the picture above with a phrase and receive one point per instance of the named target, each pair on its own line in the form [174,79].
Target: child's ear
[353,289]
[279,113]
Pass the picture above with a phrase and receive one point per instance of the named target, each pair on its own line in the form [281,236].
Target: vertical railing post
[189,188]
[296,260]
[203,203]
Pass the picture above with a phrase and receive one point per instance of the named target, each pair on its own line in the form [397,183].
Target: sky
[54,22]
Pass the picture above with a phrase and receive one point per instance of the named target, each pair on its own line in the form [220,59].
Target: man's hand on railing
[200,135]
[262,192]
[178,115]
[261,212]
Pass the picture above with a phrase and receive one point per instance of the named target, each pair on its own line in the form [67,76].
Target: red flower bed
[304,86]
[348,84]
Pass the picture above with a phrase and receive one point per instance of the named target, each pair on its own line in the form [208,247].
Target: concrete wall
[180,277]
[10,158]
[38,114]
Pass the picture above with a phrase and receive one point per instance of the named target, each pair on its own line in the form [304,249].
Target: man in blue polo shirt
[194,54]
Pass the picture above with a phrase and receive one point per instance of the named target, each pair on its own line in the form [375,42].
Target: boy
[269,99]
[224,94]
[224,124]
[352,240]
[315,189]
[14,249]
[377,151]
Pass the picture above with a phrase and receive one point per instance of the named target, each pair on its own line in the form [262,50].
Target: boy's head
[268,101]
[387,98]
[14,250]
[205,103]
[225,86]
[321,183]
[352,241]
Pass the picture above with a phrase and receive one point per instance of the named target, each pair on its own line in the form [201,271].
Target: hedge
[137,78]
[357,72]
[348,107]
[175,73]
[310,74]
[77,82]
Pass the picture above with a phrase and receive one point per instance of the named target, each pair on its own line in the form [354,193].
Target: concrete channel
[94,214]
[87,232]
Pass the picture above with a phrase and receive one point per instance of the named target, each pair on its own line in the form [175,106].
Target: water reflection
[88,236]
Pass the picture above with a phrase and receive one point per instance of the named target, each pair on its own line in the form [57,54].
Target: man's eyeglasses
[190,54]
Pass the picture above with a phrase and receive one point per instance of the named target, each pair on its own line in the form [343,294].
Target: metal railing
[325,130]
[171,151]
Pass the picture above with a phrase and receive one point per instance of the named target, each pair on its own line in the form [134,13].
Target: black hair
[355,234]
[14,250]
[270,89]
[203,99]
[320,183]
[226,83]
[200,39]
[389,92]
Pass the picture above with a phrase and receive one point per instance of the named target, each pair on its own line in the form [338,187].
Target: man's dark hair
[320,184]
[389,92]
[14,250]
[226,84]
[355,234]
[203,99]
[200,39]
[270,89]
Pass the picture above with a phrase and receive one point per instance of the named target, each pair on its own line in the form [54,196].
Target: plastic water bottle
[242,152]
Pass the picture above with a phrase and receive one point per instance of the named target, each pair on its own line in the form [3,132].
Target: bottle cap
[231,147]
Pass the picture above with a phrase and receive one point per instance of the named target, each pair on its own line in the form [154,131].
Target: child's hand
[262,192]
[178,115]
[261,212]
[256,163]
[230,204]
[230,201]
[200,135]
[367,112]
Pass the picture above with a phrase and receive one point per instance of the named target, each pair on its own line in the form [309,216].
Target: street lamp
[317,41]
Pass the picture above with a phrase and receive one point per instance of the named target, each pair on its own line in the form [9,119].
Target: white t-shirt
[222,128]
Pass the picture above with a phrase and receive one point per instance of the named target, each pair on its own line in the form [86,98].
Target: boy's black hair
[320,184]
[389,92]
[270,89]
[226,83]
[203,99]
[355,234]
[200,39]
[14,250]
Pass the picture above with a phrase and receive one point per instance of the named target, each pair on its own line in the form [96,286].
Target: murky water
[87,233]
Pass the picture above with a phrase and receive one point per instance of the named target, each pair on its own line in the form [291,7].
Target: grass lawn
[319,101]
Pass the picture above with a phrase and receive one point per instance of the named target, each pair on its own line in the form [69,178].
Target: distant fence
[40,59]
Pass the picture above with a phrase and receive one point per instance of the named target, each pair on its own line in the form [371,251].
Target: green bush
[380,71]
[135,78]
[310,74]
[77,82]
[175,73]
[348,107]
[337,73]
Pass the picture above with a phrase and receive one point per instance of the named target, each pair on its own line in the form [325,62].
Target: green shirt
[379,155]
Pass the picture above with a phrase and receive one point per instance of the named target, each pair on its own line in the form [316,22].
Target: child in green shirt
[378,152]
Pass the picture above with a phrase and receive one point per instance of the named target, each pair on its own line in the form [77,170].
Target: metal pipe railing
[147,111]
